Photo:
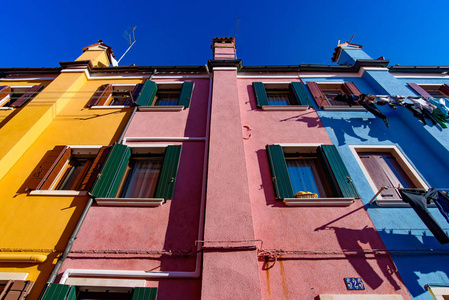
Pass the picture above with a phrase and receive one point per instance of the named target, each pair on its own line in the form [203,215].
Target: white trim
[105,282]
[224,69]
[423,76]
[28,78]
[302,75]
[167,138]
[179,76]
[438,292]
[13,276]
[285,107]
[318,201]
[302,145]
[269,76]
[360,297]
[109,106]
[151,202]
[6,108]
[401,160]
[363,69]
[161,108]
[57,193]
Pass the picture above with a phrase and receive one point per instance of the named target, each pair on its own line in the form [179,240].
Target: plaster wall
[350,55]
[307,230]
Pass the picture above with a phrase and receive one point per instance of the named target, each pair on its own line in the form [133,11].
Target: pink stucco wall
[305,276]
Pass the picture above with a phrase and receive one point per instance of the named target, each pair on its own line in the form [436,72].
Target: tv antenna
[129,35]
[350,40]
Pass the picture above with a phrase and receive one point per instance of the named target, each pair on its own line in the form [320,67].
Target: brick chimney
[223,48]
[348,54]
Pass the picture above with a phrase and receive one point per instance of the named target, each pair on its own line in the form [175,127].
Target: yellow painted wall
[97,57]
[57,116]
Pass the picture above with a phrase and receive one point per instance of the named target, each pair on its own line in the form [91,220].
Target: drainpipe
[80,222]
[164,274]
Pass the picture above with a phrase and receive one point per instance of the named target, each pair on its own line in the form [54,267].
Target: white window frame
[335,107]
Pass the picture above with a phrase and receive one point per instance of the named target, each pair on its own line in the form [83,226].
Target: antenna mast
[127,35]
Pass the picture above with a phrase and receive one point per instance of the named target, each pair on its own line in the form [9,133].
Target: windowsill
[318,201]
[344,108]
[57,193]
[397,203]
[6,108]
[285,107]
[110,106]
[151,202]
[161,108]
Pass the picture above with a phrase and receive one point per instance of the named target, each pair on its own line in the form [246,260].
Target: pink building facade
[226,232]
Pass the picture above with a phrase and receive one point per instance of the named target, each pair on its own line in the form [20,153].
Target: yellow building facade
[35,225]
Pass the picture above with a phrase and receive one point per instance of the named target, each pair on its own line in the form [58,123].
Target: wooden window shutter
[260,94]
[186,94]
[94,169]
[46,167]
[56,291]
[28,95]
[5,91]
[167,178]
[279,174]
[101,95]
[319,97]
[147,93]
[135,94]
[140,293]
[341,179]
[419,90]
[112,172]
[56,167]
[444,88]
[300,94]
[351,88]
[15,289]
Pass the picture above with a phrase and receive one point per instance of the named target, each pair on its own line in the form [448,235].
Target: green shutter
[144,293]
[186,94]
[147,93]
[167,177]
[300,94]
[112,172]
[56,291]
[341,176]
[260,93]
[279,174]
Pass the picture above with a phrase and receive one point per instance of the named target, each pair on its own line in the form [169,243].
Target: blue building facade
[413,153]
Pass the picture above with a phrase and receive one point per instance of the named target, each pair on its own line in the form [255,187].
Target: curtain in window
[304,176]
[278,98]
[142,178]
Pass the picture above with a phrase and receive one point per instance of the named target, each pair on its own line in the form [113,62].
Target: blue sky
[44,33]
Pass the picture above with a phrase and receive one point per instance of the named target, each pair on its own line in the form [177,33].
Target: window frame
[30,91]
[60,166]
[347,87]
[148,96]
[112,176]
[296,90]
[420,89]
[103,99]
[403,162]
[335,184]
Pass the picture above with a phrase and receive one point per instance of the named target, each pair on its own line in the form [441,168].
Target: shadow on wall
[267,185]
[312,122]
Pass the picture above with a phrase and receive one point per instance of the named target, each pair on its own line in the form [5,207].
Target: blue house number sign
[354,283]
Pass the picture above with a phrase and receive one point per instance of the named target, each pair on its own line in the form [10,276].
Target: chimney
[348,54]
[99,54]
[223,48]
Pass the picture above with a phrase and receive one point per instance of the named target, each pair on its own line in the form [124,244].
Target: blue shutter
[300,94]
[186,94]
[147,93]
[341,177]
[112,172]
[167,177]
[144,293]
[56,291]
[260,93]
[279,174]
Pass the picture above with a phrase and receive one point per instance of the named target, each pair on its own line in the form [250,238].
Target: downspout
[80,222]
[164,274]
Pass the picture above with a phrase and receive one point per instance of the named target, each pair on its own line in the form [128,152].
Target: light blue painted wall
[425,146]
[349,55]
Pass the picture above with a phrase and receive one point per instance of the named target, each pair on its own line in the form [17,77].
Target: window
[15,289]
[431,90]
[67,292]
[315,170]
[324,94]
[165,95]
[67,168]
[12,97]
[114,95]
[281,95]
[385,166]
[142,175]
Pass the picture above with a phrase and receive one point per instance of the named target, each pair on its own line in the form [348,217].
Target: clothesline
[397,188]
